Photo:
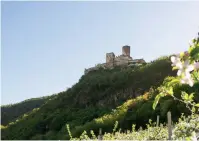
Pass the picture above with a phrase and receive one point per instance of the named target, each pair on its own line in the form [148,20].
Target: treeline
[11,112]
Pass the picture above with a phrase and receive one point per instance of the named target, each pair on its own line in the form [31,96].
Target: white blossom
[185,68]
[187,79]
[196,65]
[193,137]
[176,62]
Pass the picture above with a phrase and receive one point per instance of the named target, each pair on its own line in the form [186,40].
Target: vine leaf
[157,98]
[197,105]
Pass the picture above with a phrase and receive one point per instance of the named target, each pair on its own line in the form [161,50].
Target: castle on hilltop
[122,60]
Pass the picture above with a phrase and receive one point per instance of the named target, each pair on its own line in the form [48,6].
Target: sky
[45,46]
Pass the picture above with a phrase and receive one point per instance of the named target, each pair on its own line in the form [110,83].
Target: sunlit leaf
[194,53]
[197,105]
[157,98]
[174,68]
[181,54]
[174,82]
[185,96]
[191,96]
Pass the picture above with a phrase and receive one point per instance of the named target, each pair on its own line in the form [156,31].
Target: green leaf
[170,91]
[156,101]
[191,96]
[197,105]
[195,75]
[193,109]
[157,98]
[181,54]
[174,82]
[194,40]
[185,96]
[174,68]
[194,53]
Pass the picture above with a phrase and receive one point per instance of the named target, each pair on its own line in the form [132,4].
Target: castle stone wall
[122,60]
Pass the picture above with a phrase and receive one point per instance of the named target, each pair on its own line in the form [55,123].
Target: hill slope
[10,113]
[95,95]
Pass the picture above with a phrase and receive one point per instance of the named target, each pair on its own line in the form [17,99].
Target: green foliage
[88,104]
[151,133]
[194,51]
[186,127]
[68,129]
[11,112]
[183,131]
[115,126]
[3,127]
[93,135]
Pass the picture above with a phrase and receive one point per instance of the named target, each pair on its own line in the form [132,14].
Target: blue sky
[47,45]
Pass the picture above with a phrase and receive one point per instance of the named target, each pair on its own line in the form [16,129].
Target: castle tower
[110,57]
[126,50]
